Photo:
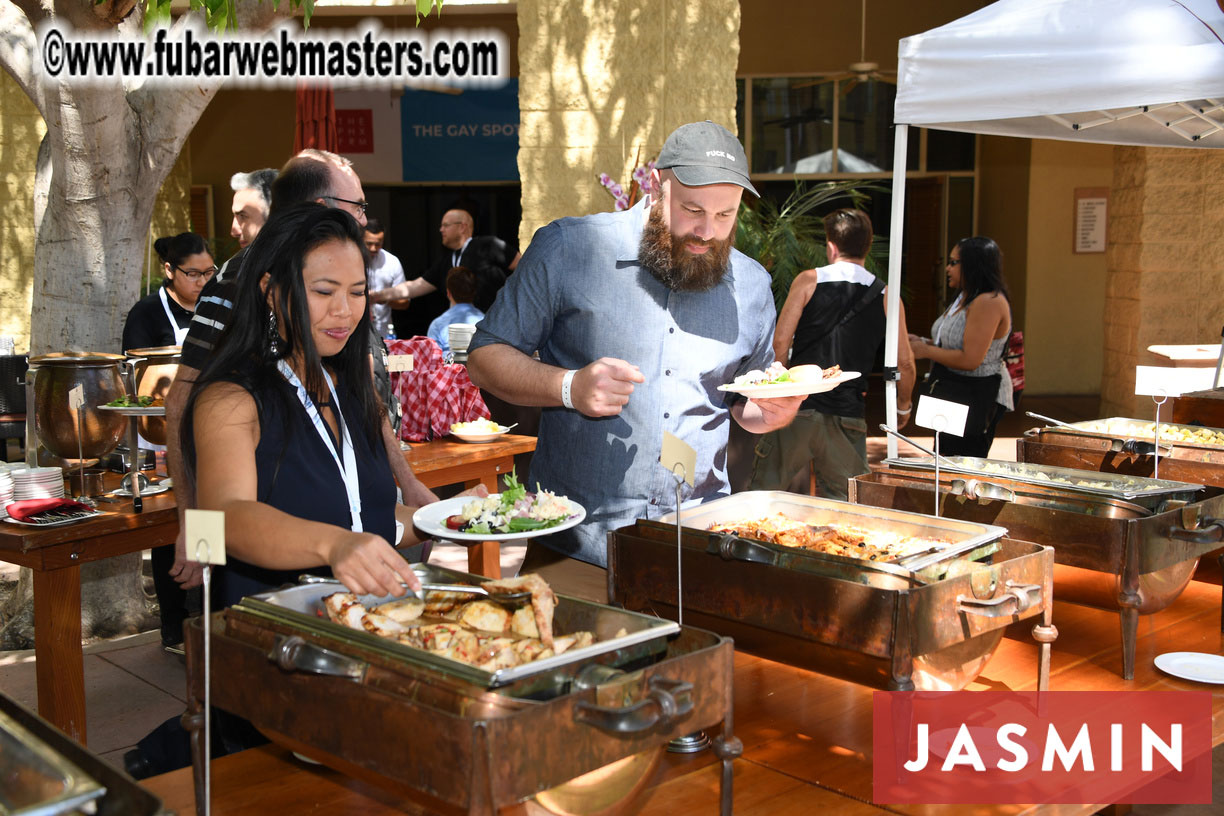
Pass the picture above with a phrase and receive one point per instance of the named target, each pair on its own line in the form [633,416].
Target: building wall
[1003,211]
[1064,297]
[21,131]
[1166,262]
[602,85]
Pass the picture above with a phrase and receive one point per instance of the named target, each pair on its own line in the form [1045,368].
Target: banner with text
[466,136]
[1065,747]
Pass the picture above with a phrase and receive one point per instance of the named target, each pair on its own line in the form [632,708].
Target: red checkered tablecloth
[433,395]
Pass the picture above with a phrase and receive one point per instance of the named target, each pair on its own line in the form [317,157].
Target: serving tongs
[923,448]
[1116,444]
[504,598]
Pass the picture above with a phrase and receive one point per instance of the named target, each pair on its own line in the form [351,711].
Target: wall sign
[461,134]
[355,130]
[1091,219]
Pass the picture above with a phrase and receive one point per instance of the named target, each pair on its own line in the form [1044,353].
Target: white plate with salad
[778,381]
[513,514]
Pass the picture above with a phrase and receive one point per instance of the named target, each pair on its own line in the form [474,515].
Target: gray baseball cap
[702,153]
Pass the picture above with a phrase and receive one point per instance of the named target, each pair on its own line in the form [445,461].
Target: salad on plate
[514,510]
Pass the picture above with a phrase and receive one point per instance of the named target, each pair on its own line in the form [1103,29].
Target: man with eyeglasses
[424,297]
[311,175]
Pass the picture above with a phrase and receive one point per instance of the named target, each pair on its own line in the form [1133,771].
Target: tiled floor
[132,685]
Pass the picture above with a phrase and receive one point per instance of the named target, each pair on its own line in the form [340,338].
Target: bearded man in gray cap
[638,317]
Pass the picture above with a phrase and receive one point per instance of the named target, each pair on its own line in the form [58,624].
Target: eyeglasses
[192,274]
[954,262]
[361,205]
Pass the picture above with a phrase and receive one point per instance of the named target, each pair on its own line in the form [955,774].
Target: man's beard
[677,268]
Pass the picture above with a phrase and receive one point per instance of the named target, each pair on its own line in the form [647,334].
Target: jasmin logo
[721,154]
[1056,747]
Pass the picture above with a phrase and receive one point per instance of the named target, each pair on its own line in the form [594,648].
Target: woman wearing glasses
[162,318]
[966,346]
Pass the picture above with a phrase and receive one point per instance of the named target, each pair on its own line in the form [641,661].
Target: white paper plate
[1201,667]
[790,389]
[431,520]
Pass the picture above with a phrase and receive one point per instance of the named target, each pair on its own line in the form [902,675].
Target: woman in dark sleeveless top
[282,428]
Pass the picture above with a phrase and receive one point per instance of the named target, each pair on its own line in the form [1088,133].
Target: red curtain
[315,124]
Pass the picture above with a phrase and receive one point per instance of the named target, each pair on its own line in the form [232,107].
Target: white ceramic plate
[431,520]
[479,437]
[790,389]
[1200,667]
[151,490]
[151,410]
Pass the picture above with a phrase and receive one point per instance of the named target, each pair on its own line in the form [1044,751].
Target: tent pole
[893,301]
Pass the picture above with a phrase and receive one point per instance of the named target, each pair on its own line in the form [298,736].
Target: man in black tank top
[833,315]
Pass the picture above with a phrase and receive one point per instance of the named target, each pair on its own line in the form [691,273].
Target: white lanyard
[348,469]
[179,334]
[946,317]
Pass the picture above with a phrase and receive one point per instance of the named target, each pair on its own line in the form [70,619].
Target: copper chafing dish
[1132,548]
[456,738]
[929,625]
[1123,445]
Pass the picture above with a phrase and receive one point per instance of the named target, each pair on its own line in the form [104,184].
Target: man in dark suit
[485,256]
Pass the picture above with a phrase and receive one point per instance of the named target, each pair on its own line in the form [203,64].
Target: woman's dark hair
[178,248]
[244,354]
[981,268]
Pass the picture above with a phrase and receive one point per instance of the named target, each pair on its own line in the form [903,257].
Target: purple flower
[622,202]
[605,179]
[616,190]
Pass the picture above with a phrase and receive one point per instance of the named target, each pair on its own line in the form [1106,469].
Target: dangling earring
[273,334]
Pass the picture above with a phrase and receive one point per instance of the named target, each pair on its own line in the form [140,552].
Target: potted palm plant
[789,238]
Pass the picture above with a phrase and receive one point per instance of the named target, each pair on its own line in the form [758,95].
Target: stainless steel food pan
[964,537]
[302,607]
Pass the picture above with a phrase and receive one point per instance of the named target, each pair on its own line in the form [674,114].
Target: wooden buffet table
[807,737]
[447,461]
[55,555]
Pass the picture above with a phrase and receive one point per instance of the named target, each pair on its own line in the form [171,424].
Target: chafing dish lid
[1113,485]
[35,780]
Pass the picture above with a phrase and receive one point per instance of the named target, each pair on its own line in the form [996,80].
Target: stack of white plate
[38,483]
[6,491]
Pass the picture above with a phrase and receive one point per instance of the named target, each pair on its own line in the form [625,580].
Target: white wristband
[566,383]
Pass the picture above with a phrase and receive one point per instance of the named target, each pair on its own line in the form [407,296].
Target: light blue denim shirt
[459,313]
[579,294]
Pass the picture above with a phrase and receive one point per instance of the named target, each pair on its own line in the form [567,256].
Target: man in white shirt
[385,271]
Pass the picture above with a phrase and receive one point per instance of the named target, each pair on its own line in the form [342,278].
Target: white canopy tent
[1133,72]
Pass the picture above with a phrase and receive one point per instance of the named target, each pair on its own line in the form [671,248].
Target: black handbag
[978,393]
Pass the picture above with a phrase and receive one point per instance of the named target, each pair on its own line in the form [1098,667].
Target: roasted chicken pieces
[481,633]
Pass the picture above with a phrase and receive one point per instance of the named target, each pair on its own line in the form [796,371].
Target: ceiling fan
[856,72]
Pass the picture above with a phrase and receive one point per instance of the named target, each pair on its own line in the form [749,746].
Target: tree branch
[18,47]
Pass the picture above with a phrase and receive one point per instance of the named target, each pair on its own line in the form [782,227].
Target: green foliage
[788,239]
[221,15]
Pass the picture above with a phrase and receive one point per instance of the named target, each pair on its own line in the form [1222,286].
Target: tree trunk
[108,149]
